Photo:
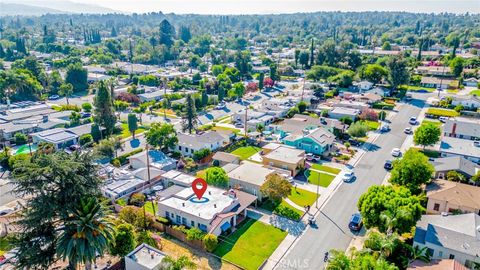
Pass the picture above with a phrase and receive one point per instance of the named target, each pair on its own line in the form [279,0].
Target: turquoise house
[318,141]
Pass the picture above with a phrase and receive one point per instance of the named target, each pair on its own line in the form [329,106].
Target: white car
[309,157]
[348,177]
[413,120]
[396,152]
[408,130]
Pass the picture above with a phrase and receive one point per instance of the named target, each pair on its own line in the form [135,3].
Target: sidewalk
[289,241]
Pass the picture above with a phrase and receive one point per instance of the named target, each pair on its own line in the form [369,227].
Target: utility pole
[441,81]
[303,89]
[245,127]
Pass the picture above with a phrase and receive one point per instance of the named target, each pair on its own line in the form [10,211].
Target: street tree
[66,90]
[124,241]
[77,76]
[276,188]
[162,136]
[132,123]
[412,171]
[398,73]
[373,73]
[190,120]
[390,209]
[104,114]
[358,130]
[427,134]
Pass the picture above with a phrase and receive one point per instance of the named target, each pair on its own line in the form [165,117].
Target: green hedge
[383,105]
[286,212]
[437,112]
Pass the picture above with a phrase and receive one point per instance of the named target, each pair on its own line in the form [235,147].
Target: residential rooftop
[251,173]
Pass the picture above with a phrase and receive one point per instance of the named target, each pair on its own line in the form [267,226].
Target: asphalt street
[332,222]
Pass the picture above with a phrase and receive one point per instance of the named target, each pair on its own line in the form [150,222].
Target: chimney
[454,128]
[209,192]
[214,206]
[45,118]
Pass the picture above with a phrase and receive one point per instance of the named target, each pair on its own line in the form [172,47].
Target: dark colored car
[388,165]
[354,142]
[355,222]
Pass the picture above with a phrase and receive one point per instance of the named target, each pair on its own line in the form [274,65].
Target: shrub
[87,107]
[137,199]
[195,234]
[17,159]
[163,220]
[210,242]
[85,139]
[147,238]
[123,158]
[286,212]
[20,138]
[200,154]
[383,106]
[115,162]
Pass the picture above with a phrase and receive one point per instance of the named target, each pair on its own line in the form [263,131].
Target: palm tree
[85,234]
[417,253]
[169,263]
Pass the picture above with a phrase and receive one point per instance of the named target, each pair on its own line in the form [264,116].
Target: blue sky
[287,6]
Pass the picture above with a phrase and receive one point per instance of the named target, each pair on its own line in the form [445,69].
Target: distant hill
[27,10]
[40,7]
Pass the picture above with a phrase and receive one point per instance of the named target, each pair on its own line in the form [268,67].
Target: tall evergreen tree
[312,58]
[184,33]
[51,184]
[261,77]
[167,33]
[104,113]
[190,120]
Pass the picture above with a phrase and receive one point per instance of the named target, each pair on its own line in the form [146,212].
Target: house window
[192,223]
[436,207]
[172,215]
[440,254]
[202,227]
[167,214]
[184,221]
[451,257]
[191,151]
[186,149]
[179,148]
[179,219]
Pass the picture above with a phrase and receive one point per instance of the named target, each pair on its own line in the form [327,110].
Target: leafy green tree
[77,76]
[476,178]
[453,40]
[427,134]
[390,209]
[398,73]
[418,253]
[190,119]
[210,241]
[167,33]
[358,130]
[456,65]
[216,176]
[70,178]
[386,46]
[106,148]
[85,139]
[357,260]
[162,136]
[276,188]
[239,89]
[302,106]
[132,123]
[20,138]
[412,171]
[96,133]
[455,176]
[373,73]
[303,59]
[86,234]
[104,114]
[124,241]
[66,90]
[74,119]
[184,33]
[87,107]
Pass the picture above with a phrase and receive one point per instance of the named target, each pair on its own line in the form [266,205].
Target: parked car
[85,115]
[354,142]
[349,177]
[408,96]
[388,165]
[396,152]
[385,128]
[53,97]
[309,157]
[238,125]
[355,223]
[316,158]
[408,130]
[413,120]
[220,106]
[443,119]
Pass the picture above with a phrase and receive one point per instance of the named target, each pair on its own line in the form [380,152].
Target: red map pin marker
[199,191]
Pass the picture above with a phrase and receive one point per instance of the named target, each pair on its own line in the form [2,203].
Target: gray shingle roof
[455,163]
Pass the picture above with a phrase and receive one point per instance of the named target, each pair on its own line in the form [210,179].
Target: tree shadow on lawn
[226,243]
[294,228]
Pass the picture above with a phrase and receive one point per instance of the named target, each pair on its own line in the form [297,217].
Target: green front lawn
[251,244]
[437,123]
[325,179]
[302,197]
[326,168]
[268,205]
[149,207]
[126,133]
[372,125]
[418,88]
[475,92]
[246,151]
[442,112]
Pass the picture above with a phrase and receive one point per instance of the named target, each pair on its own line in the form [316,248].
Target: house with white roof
[59,137]
[215,212]
[144,257]
[450,237]
[189,143]
[248,177]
